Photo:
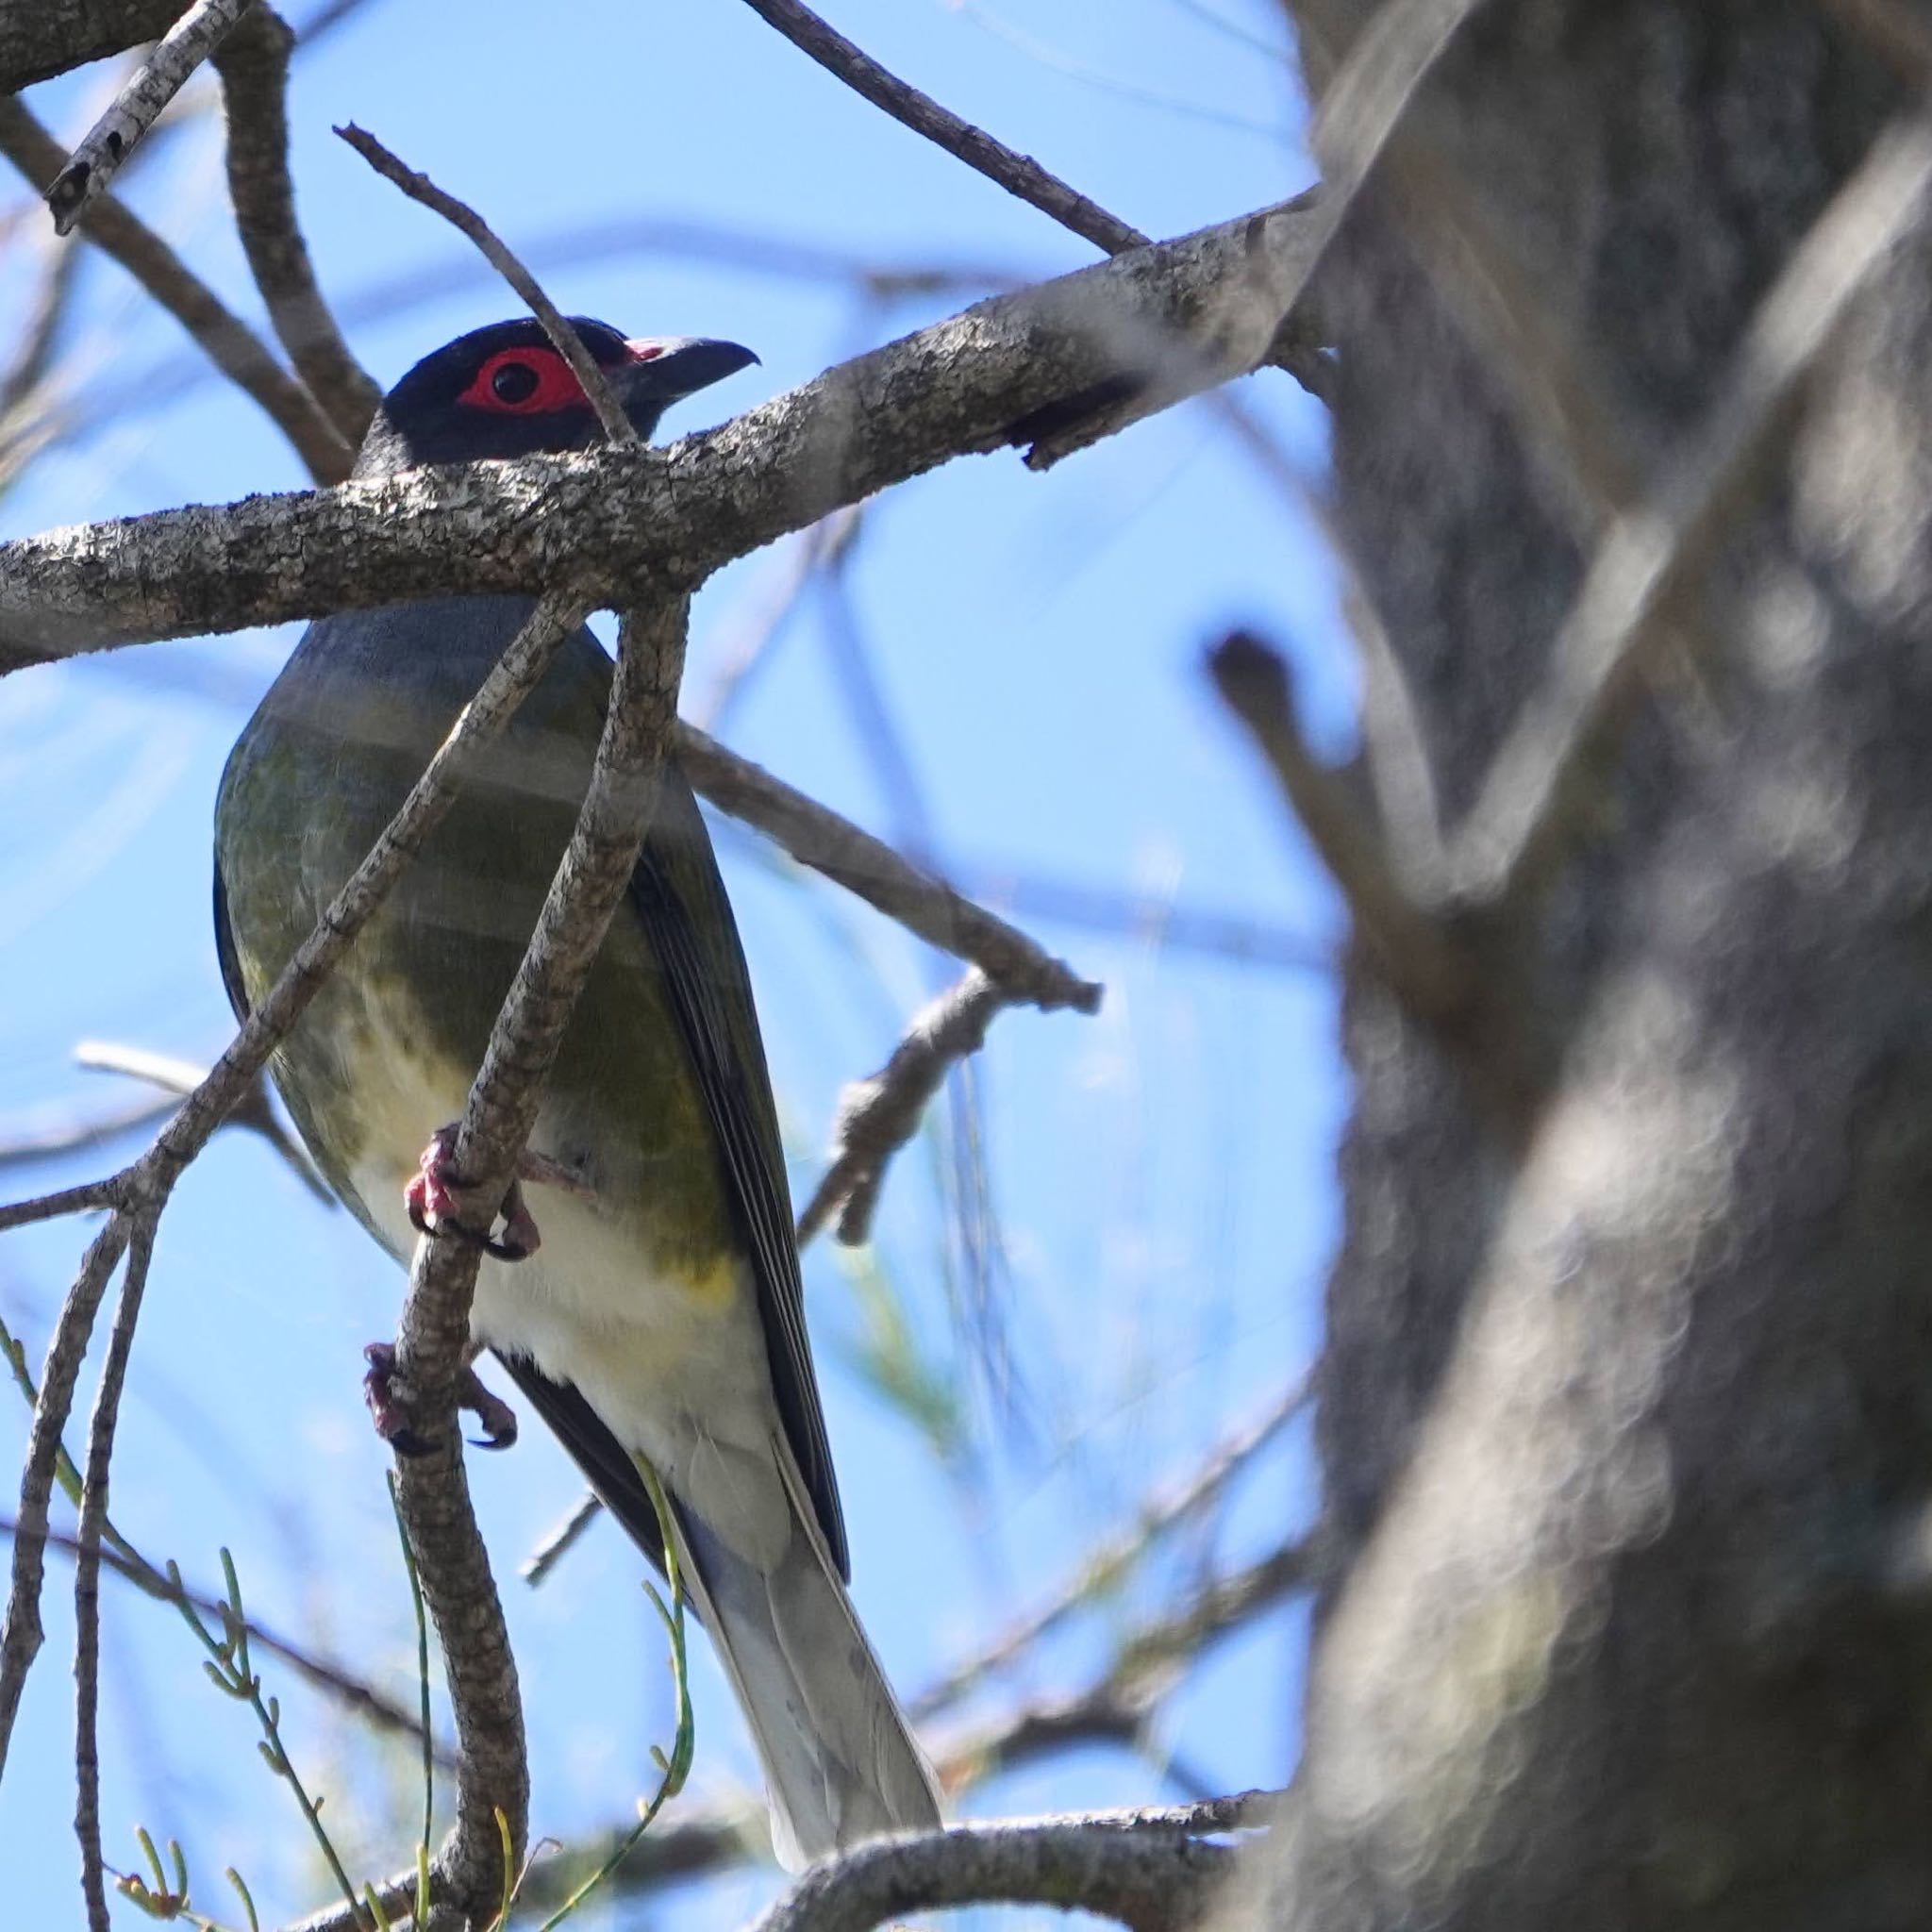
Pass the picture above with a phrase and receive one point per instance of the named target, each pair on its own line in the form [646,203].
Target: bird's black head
[505,391]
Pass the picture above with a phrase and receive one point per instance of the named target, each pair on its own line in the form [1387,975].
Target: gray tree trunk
[1626,1416]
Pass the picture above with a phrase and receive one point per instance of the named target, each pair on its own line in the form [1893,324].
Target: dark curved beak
[661,369]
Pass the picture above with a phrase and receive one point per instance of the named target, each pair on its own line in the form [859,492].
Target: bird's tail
[840,1762]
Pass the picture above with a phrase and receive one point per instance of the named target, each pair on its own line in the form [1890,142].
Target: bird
[658,1310]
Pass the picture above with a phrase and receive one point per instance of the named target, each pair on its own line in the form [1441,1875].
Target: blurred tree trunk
[1627,1422]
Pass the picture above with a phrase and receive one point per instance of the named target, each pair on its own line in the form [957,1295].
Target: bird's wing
[224,949]
[602,1457]
[677,896]
[680,900]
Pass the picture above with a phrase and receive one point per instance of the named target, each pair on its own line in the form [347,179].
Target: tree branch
[254,67]
[432,1494]
[52,36]
[608,519]
[1150,1873]
[933,911]
[1413,951]
[227,341]
[181,1077]
[1018,175]
[1113,1707]
[878,1116]
[1528,807]
[326,1678]
[22,1634]
[1298,351]
[87,1575]
[1104,1565]
[419,188]
[143,1186]
[136,107]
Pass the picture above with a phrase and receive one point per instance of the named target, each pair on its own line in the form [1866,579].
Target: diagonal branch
[181,1078]
[1018,175]
[878,1116]
[606,519]
[1358,113]
[135,110]
[1294,350]
[143,1186]
[1650,554]
[328,1678]
[254,67]
[432,1495]
[818,837]
[1102,1566]
[227,341]
[419,188]
[1413,949]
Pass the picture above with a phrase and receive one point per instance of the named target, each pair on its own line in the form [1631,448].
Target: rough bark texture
[1195,311]
[42,38]
[1624,1427]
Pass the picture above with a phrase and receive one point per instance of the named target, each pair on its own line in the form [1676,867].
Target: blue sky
[1162,1173]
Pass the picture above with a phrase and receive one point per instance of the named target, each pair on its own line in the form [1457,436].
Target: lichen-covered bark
[1625,1426]
[42,38]
[1180,315]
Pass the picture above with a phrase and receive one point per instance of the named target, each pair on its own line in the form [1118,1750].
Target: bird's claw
[437,1196]
[385,1409]
[498,1418]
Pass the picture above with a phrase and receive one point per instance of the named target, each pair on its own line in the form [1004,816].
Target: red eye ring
[555,387]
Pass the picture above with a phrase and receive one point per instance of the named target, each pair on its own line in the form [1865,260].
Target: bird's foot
[391,1412]
[438,1197]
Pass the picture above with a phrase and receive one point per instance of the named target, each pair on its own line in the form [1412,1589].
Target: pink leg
[436,1202]
[498,1418]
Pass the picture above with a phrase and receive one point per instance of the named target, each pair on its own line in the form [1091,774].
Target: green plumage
[661,1315]
[428,973]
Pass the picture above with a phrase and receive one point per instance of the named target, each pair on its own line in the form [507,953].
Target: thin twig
[1415,953]
[1018,174]
[31,1145]
[1155,917]
[254,67]
[749,638]
[819,837]
[87,1575]
[878,1116]
[328,1678]
[22,1634]
[82,1199]
[227,341]
[1103,1567]
[616,424]
[1394,748]
[254,1110]
[33,354]
[1528,803]
[560,1542]
[115,135]
[1357,115]
[1113,1707]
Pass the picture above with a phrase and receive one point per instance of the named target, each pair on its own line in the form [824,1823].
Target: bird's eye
[514,383]
[524,382]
